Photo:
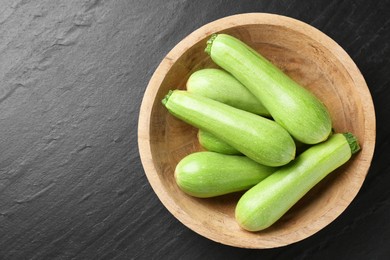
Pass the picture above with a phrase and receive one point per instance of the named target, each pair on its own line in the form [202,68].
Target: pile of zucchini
[252,118]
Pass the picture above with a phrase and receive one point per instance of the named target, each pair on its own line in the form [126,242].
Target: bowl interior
[308,61]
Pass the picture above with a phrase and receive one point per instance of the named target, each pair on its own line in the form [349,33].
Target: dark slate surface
[73,74]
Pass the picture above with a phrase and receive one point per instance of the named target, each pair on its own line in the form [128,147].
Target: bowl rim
[198,35]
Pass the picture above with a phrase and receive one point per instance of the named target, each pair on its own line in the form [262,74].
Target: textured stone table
[73,74]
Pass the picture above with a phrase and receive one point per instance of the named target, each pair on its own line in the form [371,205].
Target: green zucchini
[259,138]
[265,203]
[213,144]
[219,85]
[295,108]
[210,174]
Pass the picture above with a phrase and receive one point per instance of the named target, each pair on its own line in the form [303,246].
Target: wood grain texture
[73,74]
[310,58]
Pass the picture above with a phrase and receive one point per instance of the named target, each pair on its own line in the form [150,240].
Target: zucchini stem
[167,96]
[353,142]
[210,43]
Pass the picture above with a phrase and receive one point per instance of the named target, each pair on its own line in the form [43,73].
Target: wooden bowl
[309,57]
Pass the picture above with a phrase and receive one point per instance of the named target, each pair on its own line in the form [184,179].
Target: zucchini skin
[210,174]
[265,203]
[213,144]
[303,115]
[261,139]
[219,85]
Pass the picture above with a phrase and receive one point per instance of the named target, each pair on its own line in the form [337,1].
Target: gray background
[72,78]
